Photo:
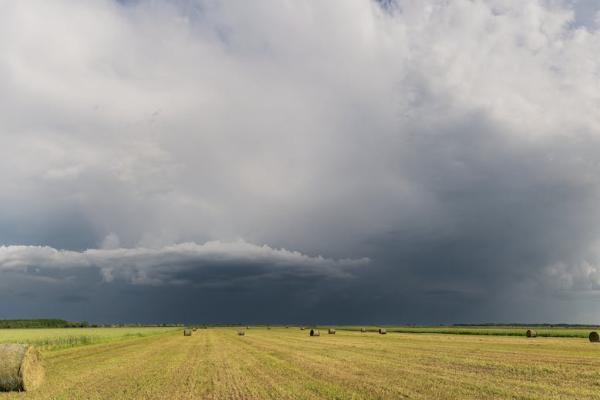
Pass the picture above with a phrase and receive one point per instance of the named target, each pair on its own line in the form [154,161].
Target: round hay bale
[594,337]
[314,332]
[21,367]
[331,331]
[363,330]
[382,331]
[187,332]
[301,328]
[242,333]
[531,333]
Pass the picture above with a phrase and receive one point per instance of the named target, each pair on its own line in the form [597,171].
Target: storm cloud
[213,263]
[442,157]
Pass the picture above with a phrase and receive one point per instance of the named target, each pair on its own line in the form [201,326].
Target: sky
[340,161]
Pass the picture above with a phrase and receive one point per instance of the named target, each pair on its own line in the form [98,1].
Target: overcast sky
[339,161]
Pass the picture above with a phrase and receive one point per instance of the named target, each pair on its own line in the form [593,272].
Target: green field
[543,331]
[282,363]
[51,339]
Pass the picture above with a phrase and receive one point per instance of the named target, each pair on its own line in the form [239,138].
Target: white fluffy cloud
[281,123]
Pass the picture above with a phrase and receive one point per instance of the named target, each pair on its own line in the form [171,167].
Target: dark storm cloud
[211,264]
[71,298]
[453,144]
[196,278]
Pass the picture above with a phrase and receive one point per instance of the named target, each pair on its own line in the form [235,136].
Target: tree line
[40,323]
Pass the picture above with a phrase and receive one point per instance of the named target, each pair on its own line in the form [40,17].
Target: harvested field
[287,364]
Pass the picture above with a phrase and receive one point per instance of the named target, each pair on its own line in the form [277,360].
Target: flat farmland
[283,363]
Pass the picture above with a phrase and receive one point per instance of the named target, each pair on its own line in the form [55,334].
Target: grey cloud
[454,144]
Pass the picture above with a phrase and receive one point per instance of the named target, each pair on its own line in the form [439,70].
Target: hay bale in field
[363,330]
[302,328]
[331,331]
[187,332]
[242,333]
[20,367]
[531,333]
[382,331]
[594,337]
[315,332]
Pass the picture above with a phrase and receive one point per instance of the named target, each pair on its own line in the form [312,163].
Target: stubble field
[282,363]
